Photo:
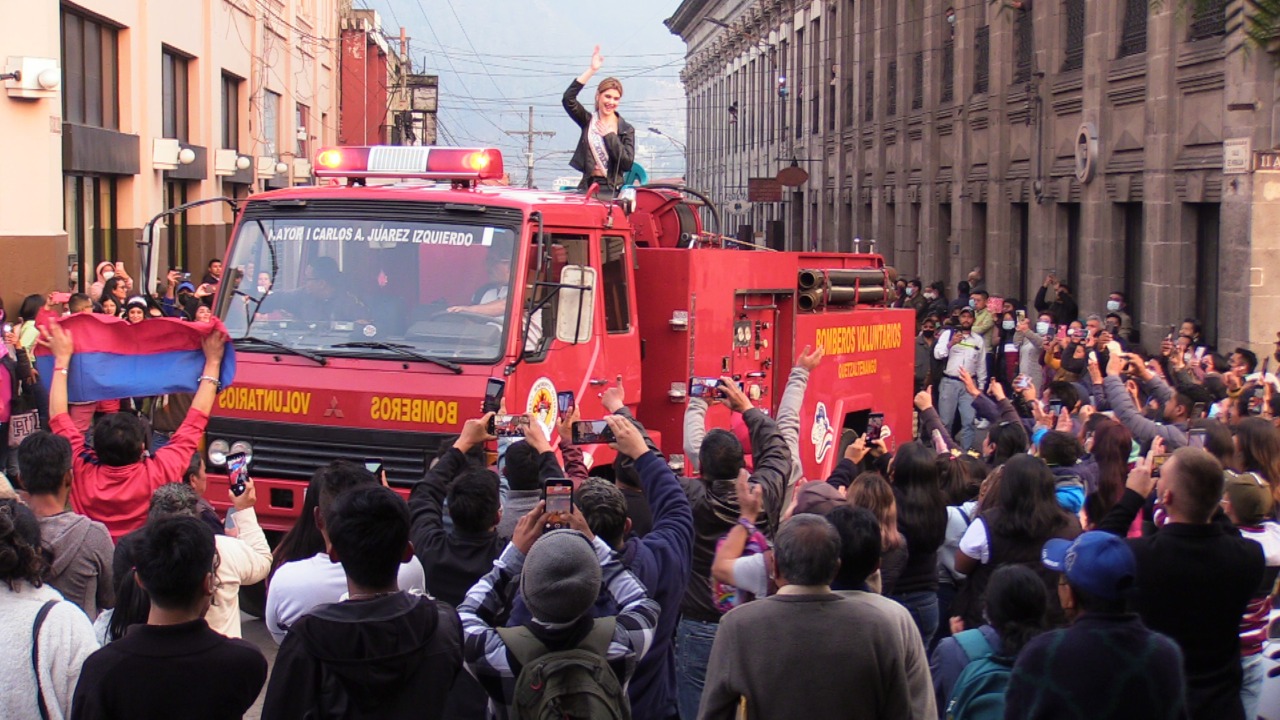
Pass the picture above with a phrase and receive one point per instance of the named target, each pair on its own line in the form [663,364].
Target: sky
[495,58]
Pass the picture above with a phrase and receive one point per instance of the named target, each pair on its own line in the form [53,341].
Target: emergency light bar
[409,161]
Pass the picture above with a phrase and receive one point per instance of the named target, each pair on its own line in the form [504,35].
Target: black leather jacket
[621,146]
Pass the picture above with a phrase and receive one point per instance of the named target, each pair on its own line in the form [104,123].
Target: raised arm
[695,429]
[579,114]
[789,408]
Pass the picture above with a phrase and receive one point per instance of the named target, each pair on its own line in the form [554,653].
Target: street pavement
[255,631]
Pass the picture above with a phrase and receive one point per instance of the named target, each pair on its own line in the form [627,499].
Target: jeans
[946,596]
[923,607]
[159,440]
[952,397]
[693,651]
[1254,667]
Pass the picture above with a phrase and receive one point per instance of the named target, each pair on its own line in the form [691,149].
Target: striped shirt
[486,655]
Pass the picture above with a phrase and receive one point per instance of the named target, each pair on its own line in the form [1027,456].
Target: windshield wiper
[405,350]
[284,348]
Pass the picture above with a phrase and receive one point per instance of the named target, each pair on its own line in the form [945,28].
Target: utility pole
[530,134]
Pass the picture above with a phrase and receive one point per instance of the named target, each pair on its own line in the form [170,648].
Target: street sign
[764,189]
[1267,160]
[1235,156]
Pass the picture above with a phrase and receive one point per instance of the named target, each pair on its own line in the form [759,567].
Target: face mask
[973,304]
[1113,305]
[1007,324]
[1042,328]
[910,291]
[930,296]
[107,274]
[262,289]
[929,332]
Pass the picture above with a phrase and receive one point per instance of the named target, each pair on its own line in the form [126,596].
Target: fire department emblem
[821,435]
[542,404]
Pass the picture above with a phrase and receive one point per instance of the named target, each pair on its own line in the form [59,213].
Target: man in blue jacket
[660,560]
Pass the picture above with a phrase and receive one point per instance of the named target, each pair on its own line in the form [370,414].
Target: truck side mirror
[577,304]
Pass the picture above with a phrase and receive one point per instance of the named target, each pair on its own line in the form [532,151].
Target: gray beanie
[561,577]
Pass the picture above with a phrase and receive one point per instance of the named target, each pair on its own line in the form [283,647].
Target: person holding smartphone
[960,348]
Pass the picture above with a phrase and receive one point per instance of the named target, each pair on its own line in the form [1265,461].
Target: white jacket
[242,560]
[66,640]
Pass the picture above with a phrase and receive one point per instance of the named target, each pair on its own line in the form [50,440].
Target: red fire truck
[368,318]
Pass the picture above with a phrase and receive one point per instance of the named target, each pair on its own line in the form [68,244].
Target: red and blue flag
[114,359]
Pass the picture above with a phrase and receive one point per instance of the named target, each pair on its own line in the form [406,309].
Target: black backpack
[574,684]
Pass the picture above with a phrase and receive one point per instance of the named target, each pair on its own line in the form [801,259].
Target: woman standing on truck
[607,146]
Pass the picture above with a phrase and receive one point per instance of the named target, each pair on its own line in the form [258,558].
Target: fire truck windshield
[346,287]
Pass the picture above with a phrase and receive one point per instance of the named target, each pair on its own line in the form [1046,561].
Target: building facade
[1117,144]
[151,105]
[382,102]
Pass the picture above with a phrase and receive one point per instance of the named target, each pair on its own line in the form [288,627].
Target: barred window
[892,109]
[982,59]
[917,81]
[1075,12]
[1208,19]
[869,97]
[1133,37]
[1023,39]
[949,70]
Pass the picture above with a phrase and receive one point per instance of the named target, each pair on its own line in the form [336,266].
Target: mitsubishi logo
[334,410]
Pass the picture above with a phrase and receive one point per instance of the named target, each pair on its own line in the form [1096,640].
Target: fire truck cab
[368,319]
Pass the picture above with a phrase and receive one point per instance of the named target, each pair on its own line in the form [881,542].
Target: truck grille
[287,451]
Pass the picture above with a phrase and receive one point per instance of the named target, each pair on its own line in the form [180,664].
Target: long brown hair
[1259,444]
[871,491]
[1112,445]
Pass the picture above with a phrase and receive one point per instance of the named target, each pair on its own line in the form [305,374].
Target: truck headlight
[217,452]
[241,446]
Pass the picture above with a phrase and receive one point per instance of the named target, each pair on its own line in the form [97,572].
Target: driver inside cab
[490,299]
[321,297]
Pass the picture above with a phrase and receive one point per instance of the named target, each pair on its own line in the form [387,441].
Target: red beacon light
[410,162]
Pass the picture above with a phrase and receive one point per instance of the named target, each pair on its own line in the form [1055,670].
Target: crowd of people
[1080,530]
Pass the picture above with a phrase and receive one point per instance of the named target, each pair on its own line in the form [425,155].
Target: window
[90,67]
[1206,218]
[175,194]
[230,112]
[783,84]
[982,59]
[613,284]
[303,113]
[1208,19]
[271,122]
[1133,37]
[799,87]
[815,77]
[90,217]
[949,70]
[869,96]
[892,90]
[917,81]
[174,95]
[1075,12]
[1023,41]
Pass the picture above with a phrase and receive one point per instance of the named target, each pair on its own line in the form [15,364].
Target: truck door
[619,331]
[755,330]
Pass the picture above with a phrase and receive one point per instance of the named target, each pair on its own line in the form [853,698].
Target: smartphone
[493,390]
[1021,382]
[558,494]
[508,425]
[586,432]
[875,426]
[565,402]
[1197,410]
[1055,407]
[374,465]
[1173,333]
[8,328]
[1093,357]
[237,472]
[1255,403]
[705,387]
[1062,332]
[1196,437]
[1021,315]
[1265,362]
[1157,462]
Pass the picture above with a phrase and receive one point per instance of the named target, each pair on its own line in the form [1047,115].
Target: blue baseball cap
[1099,563]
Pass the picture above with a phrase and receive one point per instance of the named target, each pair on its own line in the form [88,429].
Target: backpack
[574,684]
[979,691]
